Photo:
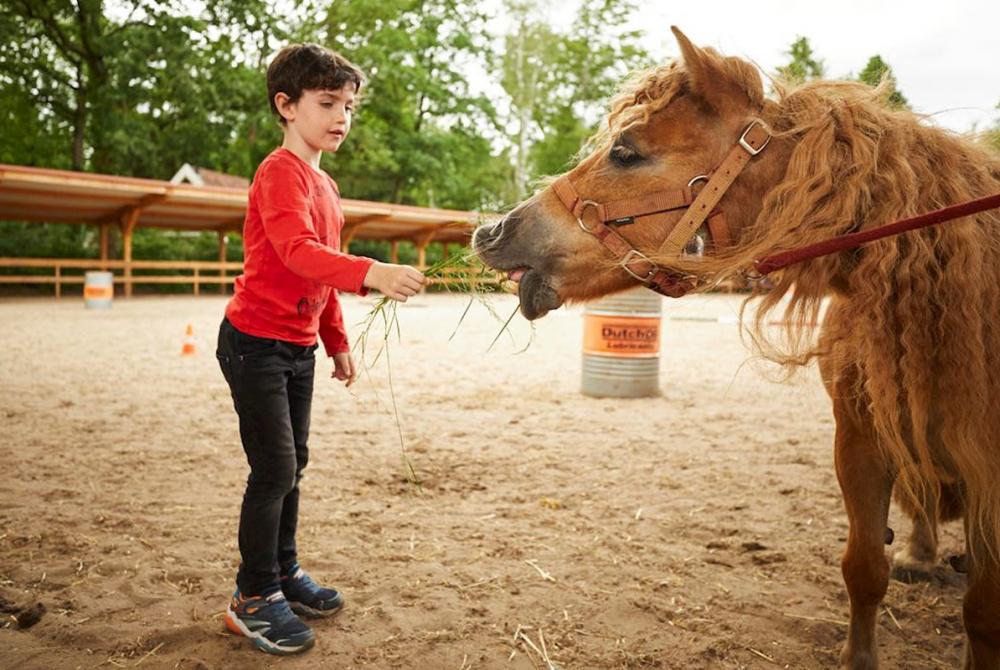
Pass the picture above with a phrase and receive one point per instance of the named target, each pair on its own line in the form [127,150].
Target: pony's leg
[866,482]
[981,609]
[916,562]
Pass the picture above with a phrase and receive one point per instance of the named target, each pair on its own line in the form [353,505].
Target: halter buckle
[746,145]
[628,258]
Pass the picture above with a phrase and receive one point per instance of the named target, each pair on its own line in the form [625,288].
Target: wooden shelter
[103,201]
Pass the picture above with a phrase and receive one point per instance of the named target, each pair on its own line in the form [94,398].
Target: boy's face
[321,118]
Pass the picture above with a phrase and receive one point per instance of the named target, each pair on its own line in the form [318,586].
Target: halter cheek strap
[655,209]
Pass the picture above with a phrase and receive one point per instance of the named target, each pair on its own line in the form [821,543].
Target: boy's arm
[331,328]
[284,209]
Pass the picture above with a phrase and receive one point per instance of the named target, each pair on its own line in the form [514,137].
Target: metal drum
[98,290]
[621,345]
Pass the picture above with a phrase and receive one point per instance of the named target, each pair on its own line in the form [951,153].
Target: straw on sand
[460,272]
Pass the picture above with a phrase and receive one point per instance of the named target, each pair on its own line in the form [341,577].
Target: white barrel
[98,290]
[621,345]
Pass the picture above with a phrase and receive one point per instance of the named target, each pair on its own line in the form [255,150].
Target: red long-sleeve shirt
[292,263]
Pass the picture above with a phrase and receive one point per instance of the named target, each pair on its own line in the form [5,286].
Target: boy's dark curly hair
[299,67]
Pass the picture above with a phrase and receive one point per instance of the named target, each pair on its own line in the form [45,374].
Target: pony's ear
[711,80]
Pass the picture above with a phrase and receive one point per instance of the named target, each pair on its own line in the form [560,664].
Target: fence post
[222,259]
[128,222]
[104,245]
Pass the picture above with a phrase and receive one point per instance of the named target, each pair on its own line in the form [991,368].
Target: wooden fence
[127,274]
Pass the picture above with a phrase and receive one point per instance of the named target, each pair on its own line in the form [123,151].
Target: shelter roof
[62,196]
[200,176]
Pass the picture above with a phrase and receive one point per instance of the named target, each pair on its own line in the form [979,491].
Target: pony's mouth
[537,295]
[515,275]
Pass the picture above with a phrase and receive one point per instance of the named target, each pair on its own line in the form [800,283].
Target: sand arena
[701,529]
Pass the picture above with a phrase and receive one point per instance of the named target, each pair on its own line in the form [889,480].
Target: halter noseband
[656,207]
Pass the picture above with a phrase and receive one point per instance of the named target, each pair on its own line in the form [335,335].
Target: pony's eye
[624,156]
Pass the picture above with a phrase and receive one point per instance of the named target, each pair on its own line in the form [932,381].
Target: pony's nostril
[491,234]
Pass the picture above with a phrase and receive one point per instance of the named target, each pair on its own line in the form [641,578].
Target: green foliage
[803,65]
[53,241]
[875,72]
[418,135]
[150,243]
[992,136]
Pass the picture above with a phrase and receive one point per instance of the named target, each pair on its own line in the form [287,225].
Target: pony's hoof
[857,660]
[911,572]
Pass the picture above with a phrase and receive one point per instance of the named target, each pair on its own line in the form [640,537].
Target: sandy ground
[701,529]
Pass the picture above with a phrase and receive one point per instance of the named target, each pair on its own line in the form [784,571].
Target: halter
[655,207]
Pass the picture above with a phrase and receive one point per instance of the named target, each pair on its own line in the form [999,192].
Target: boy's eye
[624,155]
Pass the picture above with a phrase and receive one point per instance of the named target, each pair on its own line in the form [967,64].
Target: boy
[293,267]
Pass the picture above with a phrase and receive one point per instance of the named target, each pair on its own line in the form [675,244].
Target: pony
[909,343]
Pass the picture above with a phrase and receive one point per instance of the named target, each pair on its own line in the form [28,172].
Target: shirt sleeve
[284,210]
[331,327]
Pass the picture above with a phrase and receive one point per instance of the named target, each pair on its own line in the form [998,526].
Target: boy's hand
[398,282]
[344,368]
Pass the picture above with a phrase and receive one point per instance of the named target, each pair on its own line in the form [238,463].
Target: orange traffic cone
[188,349]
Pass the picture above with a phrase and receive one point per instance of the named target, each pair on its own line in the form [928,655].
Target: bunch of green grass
[461,272]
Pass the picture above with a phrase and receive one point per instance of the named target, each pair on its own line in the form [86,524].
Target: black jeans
[271,382]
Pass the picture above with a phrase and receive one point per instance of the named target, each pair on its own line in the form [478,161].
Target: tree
[803,65]
[559,84]
[992,136]
[527,76]
[875,72]
[139,87]
[418,134]
[60,60]
[133,88]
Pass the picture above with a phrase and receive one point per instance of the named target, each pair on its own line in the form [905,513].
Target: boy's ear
[709,77]
[284,105]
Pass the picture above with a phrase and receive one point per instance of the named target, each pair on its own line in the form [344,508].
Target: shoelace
[307,582]
[283,613]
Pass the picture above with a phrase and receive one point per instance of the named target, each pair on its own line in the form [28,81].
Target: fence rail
[196,273]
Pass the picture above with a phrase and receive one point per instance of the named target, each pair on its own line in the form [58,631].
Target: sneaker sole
[234,625]
[299,608]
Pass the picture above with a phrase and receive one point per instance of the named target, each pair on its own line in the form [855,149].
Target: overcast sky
[945,54]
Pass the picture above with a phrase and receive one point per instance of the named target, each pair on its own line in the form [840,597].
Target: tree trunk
[79,125]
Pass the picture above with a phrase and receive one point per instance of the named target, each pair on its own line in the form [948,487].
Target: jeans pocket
[223,360]
[250,346]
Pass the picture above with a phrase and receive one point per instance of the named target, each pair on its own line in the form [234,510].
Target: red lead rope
[845,242]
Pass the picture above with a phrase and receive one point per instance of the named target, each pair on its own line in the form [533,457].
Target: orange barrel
[621,345]
[98,290]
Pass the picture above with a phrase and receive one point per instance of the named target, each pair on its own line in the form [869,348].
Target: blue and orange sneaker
[306,596]
[268,621]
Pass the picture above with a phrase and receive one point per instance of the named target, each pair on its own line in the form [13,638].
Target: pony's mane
[916,315]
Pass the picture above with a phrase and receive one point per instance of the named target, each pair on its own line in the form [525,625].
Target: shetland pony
[909,347]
